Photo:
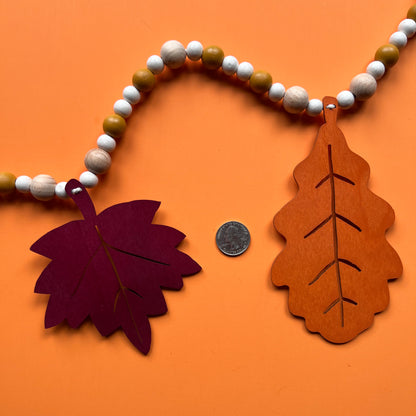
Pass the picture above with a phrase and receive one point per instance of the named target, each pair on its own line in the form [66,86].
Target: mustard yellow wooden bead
[97,161]
[212,57]
[260,82]
[411,14]
[7,181]
[144,80]
[387,54]
[114,125]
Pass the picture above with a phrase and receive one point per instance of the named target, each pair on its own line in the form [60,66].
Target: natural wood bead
[42,187]
[363,86]
[7,181]
[114,125]
[411,14]
[212,57]
[144,80]
[296,100]
[260,82]
[97,161]
[173,54]
[388,54]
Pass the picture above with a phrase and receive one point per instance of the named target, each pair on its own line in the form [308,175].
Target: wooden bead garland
[173,54]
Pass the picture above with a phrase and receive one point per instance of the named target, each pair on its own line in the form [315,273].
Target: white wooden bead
[131,94]
[22,183]
[398,39]
[230,65]
[43,187]
[276,92]
[155,64]
[363,86]
[244,71]
[123,108]
[345,99]
[194,50]
[314,107]
[296,100]
[60,190]
[88,179]
[408,27]
[97,161]
[376,69]
[106,143]
[173,54]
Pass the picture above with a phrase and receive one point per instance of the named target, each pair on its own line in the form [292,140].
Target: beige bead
[173,54]
[97,161]
[42,187]
[296,100]
[363,86]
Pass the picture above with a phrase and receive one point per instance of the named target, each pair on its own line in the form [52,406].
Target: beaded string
[173,55]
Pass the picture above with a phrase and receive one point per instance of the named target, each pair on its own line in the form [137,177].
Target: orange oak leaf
[337,261]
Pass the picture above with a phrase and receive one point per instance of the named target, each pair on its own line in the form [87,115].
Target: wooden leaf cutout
[337,261]
[111,267]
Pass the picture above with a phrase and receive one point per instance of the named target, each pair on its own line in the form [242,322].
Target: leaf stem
[80,196]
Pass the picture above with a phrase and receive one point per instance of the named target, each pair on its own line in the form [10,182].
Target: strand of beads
[364,85]
[173,55]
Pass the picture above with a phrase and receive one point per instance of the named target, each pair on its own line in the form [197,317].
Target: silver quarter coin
[233,238]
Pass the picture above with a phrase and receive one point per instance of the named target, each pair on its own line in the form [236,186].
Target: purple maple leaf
[111,267]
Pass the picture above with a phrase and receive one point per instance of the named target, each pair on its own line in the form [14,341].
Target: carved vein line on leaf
[333,217]
[85,271]
[122,287]
[137,255]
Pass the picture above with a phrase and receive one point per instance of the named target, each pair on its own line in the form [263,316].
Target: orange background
[211,152]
